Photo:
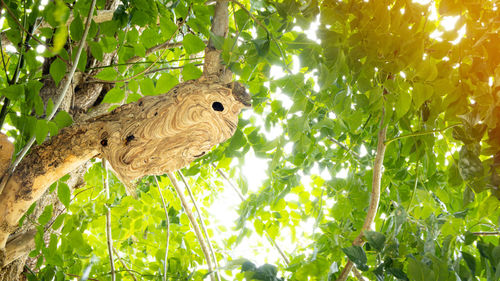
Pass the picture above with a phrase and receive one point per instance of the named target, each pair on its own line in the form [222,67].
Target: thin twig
[223,174]
[69,78]
[109,237]
[157,59]
[344,147]
[200,218]
[192,219]
[493,233]
[164,45]
[74,275]
[168,68]
[374,196]
[416,134]
[165,265]
[130,272]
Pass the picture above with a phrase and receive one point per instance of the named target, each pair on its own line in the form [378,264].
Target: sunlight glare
[449,22]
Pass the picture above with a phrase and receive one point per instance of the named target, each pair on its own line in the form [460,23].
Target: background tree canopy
[334,85]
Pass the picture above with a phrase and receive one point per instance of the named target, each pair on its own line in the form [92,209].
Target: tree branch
[59,101]
[193,223]
[109,237]
[200,218]
[416,134]
[374,197]
[130,272]
[165,265]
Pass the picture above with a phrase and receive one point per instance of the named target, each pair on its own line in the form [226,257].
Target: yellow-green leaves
[193,44]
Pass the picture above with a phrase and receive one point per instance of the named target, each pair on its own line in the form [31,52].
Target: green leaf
[115,95]
[108,74]
[242,18]
[262,46]
[57,70]
[403,104]
[470,261]
[357,255]
[193,44]
[41,130]
[416,271]
[53,129]
[63,119]
[46,215]
[13,92]
[165,83]
[191,72]
[96,50]
[217,41]
[421,93]
[58,221]
[63,193]
[147,87]
[76,28]
[375,239]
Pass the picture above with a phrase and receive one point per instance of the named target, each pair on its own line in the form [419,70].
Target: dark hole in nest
[217,106]
[104,142]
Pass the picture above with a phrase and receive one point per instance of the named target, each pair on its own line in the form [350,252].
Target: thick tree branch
[374,196]
[192,219]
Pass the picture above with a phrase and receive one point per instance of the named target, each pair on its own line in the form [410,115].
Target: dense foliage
[322,75]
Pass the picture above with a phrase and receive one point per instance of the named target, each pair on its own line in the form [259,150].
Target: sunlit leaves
[193,44]
[58,70]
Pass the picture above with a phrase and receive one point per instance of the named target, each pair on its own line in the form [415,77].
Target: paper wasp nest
[159,134]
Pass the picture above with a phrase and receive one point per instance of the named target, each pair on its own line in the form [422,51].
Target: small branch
[168,68]
[223,174]
[59,101]
[416,134]
[78,276]
[374,197]
[157,59]
[109,237]
[165,265]
[192,219]
[493,233]
[200,218]
[130,272]
[164,45]
[344,147]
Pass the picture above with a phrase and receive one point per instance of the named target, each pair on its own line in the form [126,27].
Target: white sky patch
[461,34]
[490,81]
[449,22]
[362,150]
[295,65]
[342,174]
[40,49]
[276,72]
[286,101]
[10,48]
